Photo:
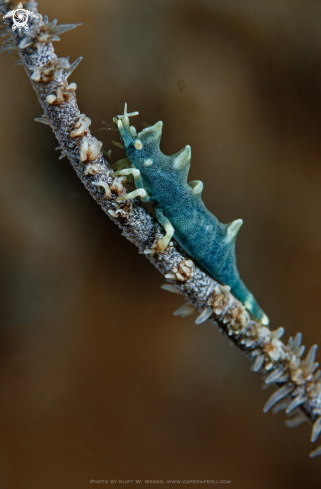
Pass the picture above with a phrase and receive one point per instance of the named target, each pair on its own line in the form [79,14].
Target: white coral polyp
[90,149]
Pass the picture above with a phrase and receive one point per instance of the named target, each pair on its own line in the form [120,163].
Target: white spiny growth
[170,276]
[185,270]
[295,346]
[43,119]
[43,33]
[316,429]
[89,149]
[64,92]
[106,187]
[273,348]
[53,70]
[276,374]
[29,5]
[118,213]
[280,406]
[50,99]
[295,421]
[301,372]
[297,401]
[72,87]
[115,214]
[308,365]
[316,452]
[60,148]
[277,396]
[204,316]
[81,126]
[8,46]
[298,376]
[185,310]
[3,29]
[72,67]
[152,251]
[117,186]
[93,169]
[257,365]
[296,379]
[171,288]
[182,272]
[220,299]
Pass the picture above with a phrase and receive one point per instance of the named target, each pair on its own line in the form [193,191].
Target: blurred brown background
[97,379]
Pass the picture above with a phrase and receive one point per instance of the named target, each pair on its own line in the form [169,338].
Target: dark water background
[97,379]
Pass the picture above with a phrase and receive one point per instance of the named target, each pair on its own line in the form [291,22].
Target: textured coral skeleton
[297,381]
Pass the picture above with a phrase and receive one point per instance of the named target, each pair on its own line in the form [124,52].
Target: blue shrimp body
[180,209]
